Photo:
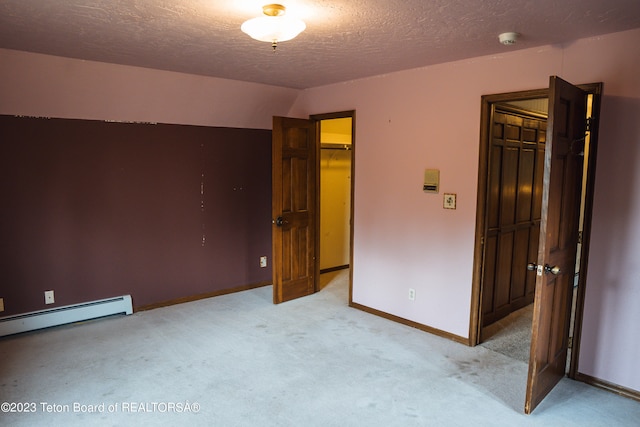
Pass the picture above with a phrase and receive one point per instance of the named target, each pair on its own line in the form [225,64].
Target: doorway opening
[507,228]
[516,144]
[336,143]
[335,193]
[295,207]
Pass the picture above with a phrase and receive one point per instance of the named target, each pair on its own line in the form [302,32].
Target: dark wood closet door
[558,239]
[294,208]
[516,164]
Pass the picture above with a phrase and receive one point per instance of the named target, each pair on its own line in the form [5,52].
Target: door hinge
[580,237]
[570,343]
[589,124]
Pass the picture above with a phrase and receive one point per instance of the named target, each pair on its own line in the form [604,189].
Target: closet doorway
[335,193]
[513,212]
[336,134]
[296,202]
[513,148]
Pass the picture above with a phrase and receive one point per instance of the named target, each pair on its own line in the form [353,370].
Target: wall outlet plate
[263,261]
[48,297]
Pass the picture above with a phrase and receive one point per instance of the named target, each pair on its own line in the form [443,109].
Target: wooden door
[294,208]
[558,239]
[514,194]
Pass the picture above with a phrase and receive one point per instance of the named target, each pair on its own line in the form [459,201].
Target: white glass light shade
[273,28]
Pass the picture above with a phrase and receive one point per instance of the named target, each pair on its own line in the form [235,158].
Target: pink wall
[611,328]
[406,122]
[50,86]
[430,118]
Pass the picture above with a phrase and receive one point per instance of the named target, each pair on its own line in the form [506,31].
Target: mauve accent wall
[94,209]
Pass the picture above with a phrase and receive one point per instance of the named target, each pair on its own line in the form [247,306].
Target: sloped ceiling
[344,39]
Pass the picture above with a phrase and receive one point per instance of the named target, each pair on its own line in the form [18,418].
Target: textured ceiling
[344,39]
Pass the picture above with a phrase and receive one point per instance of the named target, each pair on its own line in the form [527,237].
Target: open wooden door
[294,208]
[558,239]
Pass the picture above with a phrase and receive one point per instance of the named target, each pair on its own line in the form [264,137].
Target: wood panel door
[558,239]
[294,207]
[514,196]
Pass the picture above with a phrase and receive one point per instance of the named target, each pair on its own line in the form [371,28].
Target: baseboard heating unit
[62,315]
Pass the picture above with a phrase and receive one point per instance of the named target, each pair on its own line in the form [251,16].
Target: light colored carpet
[511,335]
[242,361]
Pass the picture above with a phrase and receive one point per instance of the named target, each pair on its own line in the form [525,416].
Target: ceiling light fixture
[274,27]
[508,38]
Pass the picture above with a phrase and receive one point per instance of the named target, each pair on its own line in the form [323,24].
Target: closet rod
[335,146]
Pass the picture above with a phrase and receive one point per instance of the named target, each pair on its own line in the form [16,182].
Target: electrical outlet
[48,297]
[1,304]
[412,294]
[263,261]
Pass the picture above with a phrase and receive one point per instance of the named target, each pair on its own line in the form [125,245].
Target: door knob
[280,221]
[555,270]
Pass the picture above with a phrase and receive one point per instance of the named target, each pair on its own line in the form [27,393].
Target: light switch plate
[449,200]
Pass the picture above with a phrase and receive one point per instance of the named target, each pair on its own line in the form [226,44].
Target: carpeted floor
[511,335]
[239,360]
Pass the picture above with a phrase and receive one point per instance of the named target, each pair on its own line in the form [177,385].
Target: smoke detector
[508,38]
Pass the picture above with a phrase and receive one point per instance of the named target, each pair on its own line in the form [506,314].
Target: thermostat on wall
[431,181]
